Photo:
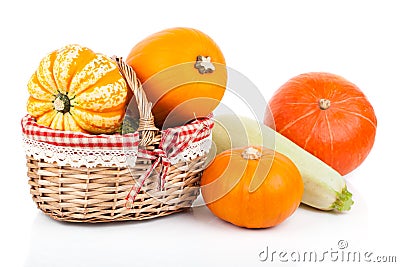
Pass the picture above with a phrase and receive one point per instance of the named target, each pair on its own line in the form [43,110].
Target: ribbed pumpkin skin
[341,135]
[92,83]
[181,92]
[252,193]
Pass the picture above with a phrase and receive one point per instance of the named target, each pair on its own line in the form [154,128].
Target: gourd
[183,73]
[252,187]
[324,187]
[76,89]
[326,115]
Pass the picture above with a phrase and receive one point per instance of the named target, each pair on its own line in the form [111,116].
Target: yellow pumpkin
[76,89]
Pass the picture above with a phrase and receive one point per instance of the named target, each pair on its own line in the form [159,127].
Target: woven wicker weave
[81,194]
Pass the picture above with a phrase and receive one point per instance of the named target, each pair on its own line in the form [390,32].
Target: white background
[269,42]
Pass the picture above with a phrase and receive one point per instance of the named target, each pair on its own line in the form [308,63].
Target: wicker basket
[98,193]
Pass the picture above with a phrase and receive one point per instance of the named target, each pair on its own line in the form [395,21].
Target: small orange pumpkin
[252,187]
[76,89]
[183,74]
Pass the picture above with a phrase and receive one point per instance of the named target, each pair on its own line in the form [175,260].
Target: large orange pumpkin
[252,187]
[76,89]
[183,74]
[326,115]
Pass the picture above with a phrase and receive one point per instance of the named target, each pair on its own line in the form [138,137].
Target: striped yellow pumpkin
[78,90]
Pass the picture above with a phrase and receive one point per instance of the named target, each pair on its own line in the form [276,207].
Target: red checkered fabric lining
[173,140]
[32,130]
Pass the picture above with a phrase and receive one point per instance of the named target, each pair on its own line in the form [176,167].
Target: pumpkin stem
[324,103]
[251,153]
[204,65]
[62,103]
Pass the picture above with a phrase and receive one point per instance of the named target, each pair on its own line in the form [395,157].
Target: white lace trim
[78,157]
[196,149]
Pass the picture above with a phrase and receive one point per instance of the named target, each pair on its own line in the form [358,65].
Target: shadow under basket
[79,177]
[98,194]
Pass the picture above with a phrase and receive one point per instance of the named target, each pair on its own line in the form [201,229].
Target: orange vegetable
[326,115]
[252,187]
[183,74]
[78,90]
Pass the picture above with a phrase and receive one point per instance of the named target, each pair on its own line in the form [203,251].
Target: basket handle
[146,127]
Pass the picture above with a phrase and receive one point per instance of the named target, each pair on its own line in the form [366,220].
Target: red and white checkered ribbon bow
[173,142]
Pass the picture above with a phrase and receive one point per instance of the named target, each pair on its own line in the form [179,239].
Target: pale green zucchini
[324,188]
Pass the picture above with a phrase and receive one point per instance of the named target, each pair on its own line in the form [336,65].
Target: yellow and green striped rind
[93,84]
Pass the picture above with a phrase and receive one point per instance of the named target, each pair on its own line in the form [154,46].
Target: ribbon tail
[163,175]
[130,198]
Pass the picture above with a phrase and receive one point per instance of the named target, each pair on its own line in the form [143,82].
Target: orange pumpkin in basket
[326,115]
[183,74]
[78,90]
[252,187]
